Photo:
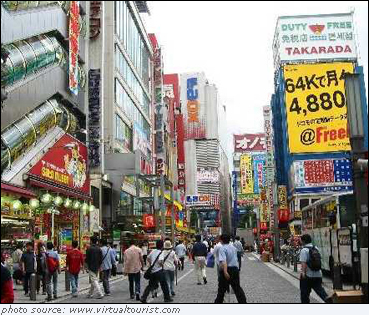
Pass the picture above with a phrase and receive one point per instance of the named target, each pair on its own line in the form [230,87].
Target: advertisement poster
[249,143]
[316,107]
[139,140]
[247,182]
[320,37]
[74,30]
[259,172]
[207,176]
[315,176]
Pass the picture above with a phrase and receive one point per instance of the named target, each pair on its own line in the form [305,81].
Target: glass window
[123,133]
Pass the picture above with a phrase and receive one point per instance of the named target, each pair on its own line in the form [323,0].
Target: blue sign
[259,172]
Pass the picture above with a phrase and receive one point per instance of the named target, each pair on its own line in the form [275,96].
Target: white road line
[252,258]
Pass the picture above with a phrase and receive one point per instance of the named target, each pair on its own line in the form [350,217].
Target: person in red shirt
[7,293]
[74,265]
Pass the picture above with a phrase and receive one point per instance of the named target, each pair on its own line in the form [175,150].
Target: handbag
[147,274]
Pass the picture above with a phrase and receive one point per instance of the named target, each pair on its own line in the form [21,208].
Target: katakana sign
[249,143]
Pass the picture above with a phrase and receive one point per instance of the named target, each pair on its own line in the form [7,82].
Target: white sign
[207,176]
[319,37]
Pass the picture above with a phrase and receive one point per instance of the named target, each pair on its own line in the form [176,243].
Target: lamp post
[355,112]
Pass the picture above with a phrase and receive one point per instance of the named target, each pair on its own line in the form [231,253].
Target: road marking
[252,258]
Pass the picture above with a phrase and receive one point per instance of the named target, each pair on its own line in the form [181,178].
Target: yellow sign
[316,107]
[246,167]
[264,212]
[282,197]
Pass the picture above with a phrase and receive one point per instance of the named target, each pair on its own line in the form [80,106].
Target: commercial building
[207,176]
[45,192]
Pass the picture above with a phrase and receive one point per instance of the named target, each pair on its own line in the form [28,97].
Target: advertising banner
[235,189]
[139,140]
[207,176]
[264,212]
[249,143]
[193,104]
[247,182]
[320,37]
[282,197]
[315,176]
[206,201]
[249,199]
[148,221]
[316,107]
[65,164]
[259,172]
[74,30]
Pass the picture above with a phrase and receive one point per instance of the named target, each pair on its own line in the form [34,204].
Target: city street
[262,283]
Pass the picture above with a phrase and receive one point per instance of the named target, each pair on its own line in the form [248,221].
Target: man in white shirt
[238,245]
[181,253]
[170,261]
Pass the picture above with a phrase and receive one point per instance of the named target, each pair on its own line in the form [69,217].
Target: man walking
[238,245]
[94,260]
[107,265]
[170,261]
[52,271]
[133,264]
[29,265]
[199,253]
[181,254]
[74,264]
[311,274]
[229,273]
[157,274]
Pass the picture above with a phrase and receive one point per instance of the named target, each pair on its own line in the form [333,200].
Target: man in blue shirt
[229,272]
[52,271]
[107,265]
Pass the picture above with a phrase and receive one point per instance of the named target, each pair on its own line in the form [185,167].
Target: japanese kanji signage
[282,197]
[259,172]
[249,143]
[74,31]
[316,107]
[247,183]
[320,37]
[315,176]
[207,176]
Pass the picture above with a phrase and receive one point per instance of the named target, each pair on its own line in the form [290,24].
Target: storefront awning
[17,190]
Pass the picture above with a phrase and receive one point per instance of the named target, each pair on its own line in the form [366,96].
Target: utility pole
[173,215]
[162,208]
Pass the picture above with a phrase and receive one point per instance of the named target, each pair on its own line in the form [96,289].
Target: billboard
[314,38]
[248,199]
[247,182]
[249,143]
[316,107]
[259,172]
[65,164]
[203,201]
[193,105]
[207,175]
[316,176]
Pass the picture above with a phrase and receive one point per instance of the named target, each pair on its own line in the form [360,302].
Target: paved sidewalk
[84,285]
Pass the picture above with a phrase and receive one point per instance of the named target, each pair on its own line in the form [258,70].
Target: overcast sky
[232,43]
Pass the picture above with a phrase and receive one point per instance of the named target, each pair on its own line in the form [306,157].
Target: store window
[123,134]
[125,204]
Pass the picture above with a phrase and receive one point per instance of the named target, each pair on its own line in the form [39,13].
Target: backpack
[315,259]
[52,263]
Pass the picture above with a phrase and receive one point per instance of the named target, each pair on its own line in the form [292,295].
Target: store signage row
[94,117]
[65,164]
[95,24]
[302,38]
[249,143]
[74,30]
[207,176]
[316,107]
[322,175]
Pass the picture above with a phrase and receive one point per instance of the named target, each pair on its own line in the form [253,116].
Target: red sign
[263,226]
[65,164]
[148,221]
[283,215]
[249,143]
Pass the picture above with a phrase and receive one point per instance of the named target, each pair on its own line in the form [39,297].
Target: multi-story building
[206,169]
[44,164]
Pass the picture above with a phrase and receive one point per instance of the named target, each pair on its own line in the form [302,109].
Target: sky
[232,43]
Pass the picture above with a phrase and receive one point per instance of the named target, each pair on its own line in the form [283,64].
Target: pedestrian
[311,274]
[29,266]
[74,263]
[41,268]
[238,245]
[107,265]
[243,242]
[133,264]
[181,254]
[157,274]
[216,254]
[7,292]
[229,273]
[114,248]
[17,264]
[144,249]
[94,260]
[170,263]
[199,253]
[52,271]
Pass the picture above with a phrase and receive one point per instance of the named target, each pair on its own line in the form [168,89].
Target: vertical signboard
[94,117]
[247,183]
[259,172]
[316,107]
[74,30]
[193,104]
[235,188]
[282,197]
